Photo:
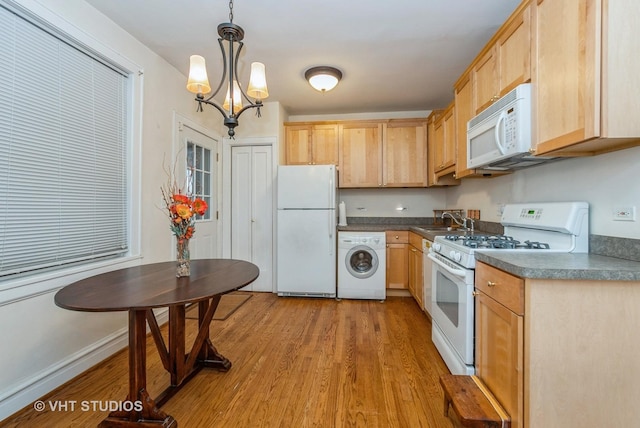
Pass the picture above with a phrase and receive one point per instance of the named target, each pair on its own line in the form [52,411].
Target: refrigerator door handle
[332,226]
[331,193]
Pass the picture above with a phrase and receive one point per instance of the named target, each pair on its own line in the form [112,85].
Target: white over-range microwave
[499,138]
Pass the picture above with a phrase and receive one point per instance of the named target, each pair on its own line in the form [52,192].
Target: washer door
[361,261]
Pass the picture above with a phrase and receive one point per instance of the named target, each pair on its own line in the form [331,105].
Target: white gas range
[560,227]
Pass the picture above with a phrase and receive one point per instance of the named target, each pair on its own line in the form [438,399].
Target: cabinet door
[567,33]
[499,350]
[324,145]
[415,274]
[432,143]
[438,145]
[506,62]
[298,145]
[405,154]
[449,137]
[514,52]
[360,155]
[397,266]
[485,80]
[397,258]
[463,113]
[445,140]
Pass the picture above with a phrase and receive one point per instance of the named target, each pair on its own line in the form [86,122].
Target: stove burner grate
[495,242]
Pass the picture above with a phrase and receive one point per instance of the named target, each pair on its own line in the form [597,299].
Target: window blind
[63,151]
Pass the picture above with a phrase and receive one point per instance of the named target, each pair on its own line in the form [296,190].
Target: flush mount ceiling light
[323,78]
[198,82]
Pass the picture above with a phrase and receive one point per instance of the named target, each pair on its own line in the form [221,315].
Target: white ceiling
[395,55]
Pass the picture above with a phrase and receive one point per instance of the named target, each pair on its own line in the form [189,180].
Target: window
[199,175]
[63,150]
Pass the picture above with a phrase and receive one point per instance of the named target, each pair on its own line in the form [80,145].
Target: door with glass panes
[200,171]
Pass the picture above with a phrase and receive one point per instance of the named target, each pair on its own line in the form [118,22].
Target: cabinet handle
[491,284]
[474,293]
[397,237]
[414,250]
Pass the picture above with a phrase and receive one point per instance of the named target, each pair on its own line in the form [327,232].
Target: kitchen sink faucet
[462,221]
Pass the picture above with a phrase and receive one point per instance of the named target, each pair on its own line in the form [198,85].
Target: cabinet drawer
[504,288]
[397,236]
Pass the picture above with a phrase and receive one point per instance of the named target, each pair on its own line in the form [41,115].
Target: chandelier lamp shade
[231,35]
[323,78]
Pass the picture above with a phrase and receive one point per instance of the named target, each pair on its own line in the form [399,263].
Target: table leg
[139,409]
[208,354]
[203,354]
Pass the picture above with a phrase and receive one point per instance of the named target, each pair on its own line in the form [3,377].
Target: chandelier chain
[230,10]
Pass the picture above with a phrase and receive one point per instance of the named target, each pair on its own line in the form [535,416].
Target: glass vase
[184,258]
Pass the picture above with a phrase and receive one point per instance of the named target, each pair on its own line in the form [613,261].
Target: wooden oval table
[140,289]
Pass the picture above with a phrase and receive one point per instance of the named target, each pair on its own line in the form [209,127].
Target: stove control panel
[531,213]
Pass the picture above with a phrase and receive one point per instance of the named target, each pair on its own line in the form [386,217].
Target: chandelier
[232,107]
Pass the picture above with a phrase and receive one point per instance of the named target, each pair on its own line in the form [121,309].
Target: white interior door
[199,152]
[252,211]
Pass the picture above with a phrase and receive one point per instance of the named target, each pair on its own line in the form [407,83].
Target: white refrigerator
[306,236]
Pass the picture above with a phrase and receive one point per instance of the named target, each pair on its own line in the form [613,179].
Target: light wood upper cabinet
[298,144]
[485,80]
[445,143]
[431,147]
[360,154]
[390,153]
[505,62]
[463,113]
[405,153]
[437,149]
[324,145]
[311,144]
[514,50]
[586,76]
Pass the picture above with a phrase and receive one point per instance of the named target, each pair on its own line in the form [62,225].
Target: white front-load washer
[362,265]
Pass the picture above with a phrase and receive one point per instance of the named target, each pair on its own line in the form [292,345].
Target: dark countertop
[567,266]
[428,231]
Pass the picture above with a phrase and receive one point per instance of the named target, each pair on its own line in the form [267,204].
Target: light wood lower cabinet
[416,282]
[397,259]
[499,338]
[559,353]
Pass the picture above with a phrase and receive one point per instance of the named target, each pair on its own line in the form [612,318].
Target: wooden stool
[472,404]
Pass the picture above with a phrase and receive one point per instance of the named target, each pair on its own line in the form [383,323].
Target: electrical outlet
[624,213]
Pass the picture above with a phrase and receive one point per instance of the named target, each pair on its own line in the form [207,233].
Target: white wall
[43,345]
[604,181]
[385,202]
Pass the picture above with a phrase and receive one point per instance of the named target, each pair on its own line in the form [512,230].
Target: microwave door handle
[501,119]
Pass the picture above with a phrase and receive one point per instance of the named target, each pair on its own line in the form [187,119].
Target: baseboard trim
[40,384]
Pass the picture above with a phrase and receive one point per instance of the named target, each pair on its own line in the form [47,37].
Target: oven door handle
[457,272]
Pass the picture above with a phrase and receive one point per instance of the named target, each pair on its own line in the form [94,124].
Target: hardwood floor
[297,362]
